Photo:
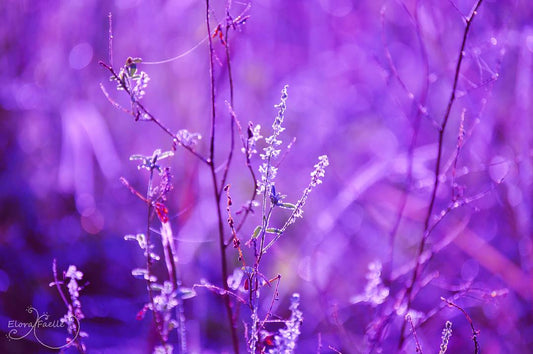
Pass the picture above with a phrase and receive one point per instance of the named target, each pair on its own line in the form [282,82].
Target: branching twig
[421,110]
[475,332]
[217,190]
[418,347]
[141,109]
[230,80]
[442,129]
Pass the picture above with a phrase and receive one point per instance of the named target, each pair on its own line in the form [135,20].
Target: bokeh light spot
[92,222]
[338,8]
[80,56]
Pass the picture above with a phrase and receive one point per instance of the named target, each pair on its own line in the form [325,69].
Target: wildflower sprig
[271,151]
[253,136]
[166,298]
[186,138]
[445,339]
[131,80]
[268,173]
[297,209]
[376,292]
[285,341]
[140,238]
[150,162]
[71,299]
[134,85]
[258,337]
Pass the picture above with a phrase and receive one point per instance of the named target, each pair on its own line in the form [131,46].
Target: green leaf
[287,206]
[256,232]
[273,230]
[186,293]
[165,154]
[156,286]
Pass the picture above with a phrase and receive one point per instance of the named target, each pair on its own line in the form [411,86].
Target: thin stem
[440,147]
[110,44]
[420,111]
[57,283]
[230,79]
[475,332]
[68,304]
[173,275]
[156,318]
[418,347]
[274,298]
[246,147]
[217,192]
[266,222]
[231,222]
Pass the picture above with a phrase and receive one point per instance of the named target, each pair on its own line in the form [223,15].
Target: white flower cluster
[74,290]
[186,138]
[140,83]
[163,304]
[446,335]
[130,79]
[150,163]
[166,300]
[316,179]
[254,135]
[74,314]
[166,349]
[375,291]
[319,171]
[267,171]
[287,338]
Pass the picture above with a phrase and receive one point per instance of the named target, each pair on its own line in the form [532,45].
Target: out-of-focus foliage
[64,147]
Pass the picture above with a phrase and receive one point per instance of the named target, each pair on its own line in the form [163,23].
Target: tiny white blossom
[74,273]
[446,335]
[186,138]
[167,349]
[318,173]
[140,83]
[271,151]
[375,291]
[288,336]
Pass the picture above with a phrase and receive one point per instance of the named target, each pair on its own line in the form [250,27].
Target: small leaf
[154,256]
[130,238]
[165,154]
[141,240]
[156,286]
[287,206]
[139,273]
[137,157]
[273,230]
[256,232]
[186,293]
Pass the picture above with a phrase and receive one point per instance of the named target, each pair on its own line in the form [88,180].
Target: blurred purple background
[63,147]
